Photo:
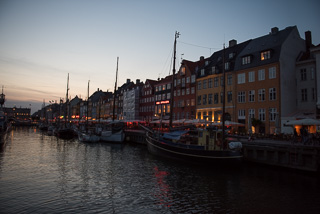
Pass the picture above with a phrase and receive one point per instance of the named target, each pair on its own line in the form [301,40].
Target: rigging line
[199,46]
[165,65]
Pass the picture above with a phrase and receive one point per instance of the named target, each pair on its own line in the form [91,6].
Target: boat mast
[223,97]
[177,34]
[87,113]
[67,101]
[114,93]
[2,98]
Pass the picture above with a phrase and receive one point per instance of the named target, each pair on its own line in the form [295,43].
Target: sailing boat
[88,136]
[66,132]
[205,145]
[5,125]
[113,132]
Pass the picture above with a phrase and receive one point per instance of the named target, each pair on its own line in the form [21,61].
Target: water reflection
[44,174]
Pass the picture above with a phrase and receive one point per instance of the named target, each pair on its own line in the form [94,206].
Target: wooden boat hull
[163,149]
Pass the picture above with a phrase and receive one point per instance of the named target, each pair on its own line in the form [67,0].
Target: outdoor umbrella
[304,122]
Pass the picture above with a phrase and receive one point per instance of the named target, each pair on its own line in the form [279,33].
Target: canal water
[44,174]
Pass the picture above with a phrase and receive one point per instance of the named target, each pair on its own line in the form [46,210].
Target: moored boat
[196,146]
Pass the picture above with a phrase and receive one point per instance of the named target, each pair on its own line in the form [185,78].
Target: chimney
[137,81]
[308,40]
[201,58]
[128,81]
[274,30]
[232,43]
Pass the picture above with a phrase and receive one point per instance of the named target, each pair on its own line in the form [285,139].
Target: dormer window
[265,55]
[206,63]
[227,66]
[202,72]
[183,71]
[246,60]
[231,55]
[213,69]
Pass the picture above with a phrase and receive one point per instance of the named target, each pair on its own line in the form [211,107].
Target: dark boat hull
[66,134]
[162,149]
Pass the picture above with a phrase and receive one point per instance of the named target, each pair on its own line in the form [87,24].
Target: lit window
[265,55]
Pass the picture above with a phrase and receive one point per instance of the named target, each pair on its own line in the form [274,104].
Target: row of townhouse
[271,78]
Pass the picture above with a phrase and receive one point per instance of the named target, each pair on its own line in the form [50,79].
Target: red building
[184,105]
[147,104]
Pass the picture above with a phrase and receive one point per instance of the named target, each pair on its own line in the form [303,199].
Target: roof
[216,59]
[272,41]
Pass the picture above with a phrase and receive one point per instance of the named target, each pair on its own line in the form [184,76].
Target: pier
[266,151]
[282,154]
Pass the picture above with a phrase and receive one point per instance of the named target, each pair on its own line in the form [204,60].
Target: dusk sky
[41,41]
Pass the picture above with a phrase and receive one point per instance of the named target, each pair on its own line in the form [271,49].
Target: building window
[178,92]
[227,66]
[188,80]
[246,60]
[169,86]
[272,114]
[188,91]
[199,115]
[202,72]
[192,90]
[183,92]
[312,73]
[251,76]
[183,71]
[241,96]
[210,83]
[261,74]
[241,78]
[209,99]
[178,81]
[168,95]
[313,94]
[199,100]
[262,114]
[241,114]
[221,81]
[216,82]
[304,95]
[213,69]
[272,73]
[204,84]
[216,98]
[229,79]
[199,85]
[251,113]
[251,95]
[272,94]
[204,99]
[303,74]
[187,102]
[193,78]
[163,87]
[193,102]
[265,55]
[229,96]
[262,94]
[183,82]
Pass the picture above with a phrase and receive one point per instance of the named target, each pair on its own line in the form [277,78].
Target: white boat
[88,135]
[113,132]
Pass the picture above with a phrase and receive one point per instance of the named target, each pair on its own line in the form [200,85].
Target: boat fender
[235,145]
